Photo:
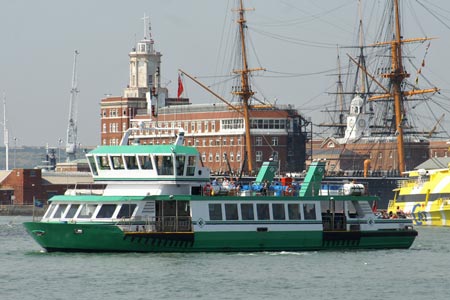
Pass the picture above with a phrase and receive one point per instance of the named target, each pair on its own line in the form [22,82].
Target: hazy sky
[295,40]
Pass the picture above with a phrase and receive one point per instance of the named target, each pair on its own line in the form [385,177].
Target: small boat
[424,198]
[156,199]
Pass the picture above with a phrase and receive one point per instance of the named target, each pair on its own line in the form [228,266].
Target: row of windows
[88,211]
[259,141]
[164,164]
[261,211]
[114,127]
[218,157]
[269,123]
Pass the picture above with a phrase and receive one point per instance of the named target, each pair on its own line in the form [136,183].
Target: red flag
[180,86]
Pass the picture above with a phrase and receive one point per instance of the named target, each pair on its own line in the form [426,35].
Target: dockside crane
[71,141]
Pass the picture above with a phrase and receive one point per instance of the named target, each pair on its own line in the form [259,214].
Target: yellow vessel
[424,197]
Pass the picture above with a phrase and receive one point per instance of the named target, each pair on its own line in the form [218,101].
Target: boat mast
[397,77]
[245,92]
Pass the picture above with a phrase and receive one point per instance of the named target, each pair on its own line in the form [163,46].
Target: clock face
[362,123]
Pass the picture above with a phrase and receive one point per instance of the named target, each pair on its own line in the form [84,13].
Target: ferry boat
[424,197]
[158,199]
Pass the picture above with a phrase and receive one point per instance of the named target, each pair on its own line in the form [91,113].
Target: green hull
[109,238]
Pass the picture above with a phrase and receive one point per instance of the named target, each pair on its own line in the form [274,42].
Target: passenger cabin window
[87,210]
[262,210]
[145,162]
[117,162]
[278,211]
[60,211]
[130,162]
[191,166]
[103,162]
[164,164]
[294,212]
[106,211]
[91,161]
[247,211]
[180,165]
[231,211]
[309,210]
[72,211]
[215,211]
[126,211]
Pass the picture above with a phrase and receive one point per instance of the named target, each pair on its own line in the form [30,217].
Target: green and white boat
[157,199]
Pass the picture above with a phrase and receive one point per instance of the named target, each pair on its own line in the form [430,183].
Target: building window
[124,126]
[275,155]
[224,142]
[192,127]
[274,141]
[211,143]
[203,157]
[204,143]
[238,156]
[210,157]
[380,155]
[239,141]
[231,156]
[258,155]
[206,126]
[199,126]
[213,126]
[217,157]
[197,143]
[231,142]
[217,142]
[104,127]
[258,141]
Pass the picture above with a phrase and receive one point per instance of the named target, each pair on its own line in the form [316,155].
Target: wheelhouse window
[126,211]
[247,211]
[130,162]
[50,211]
[106,211]
[87,210]
[278,211]
[117,162]
[180,164]
[294,211]
[215,211]
[60,211]
[309,210]
[72,211]
[91,161]
[191,166]
[262,210]
[145,162]
[103,162]
[164,164]
[231,211]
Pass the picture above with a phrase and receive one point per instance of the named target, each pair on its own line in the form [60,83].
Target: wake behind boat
[156,200]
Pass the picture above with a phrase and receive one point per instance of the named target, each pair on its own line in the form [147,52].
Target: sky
[294,40]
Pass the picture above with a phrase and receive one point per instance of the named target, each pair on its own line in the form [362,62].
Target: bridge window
[215,211]
[130,162]
[191,166]
[103,162]
[247,211]
[92,165]
[180,165]
[164,164]
[117,162]
[145,162]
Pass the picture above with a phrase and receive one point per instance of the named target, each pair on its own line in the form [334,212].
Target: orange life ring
[207,190]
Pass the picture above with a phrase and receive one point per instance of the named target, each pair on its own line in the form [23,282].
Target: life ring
[289,190]
[207,189]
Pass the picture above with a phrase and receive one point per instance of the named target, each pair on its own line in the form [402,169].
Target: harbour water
[27,272]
